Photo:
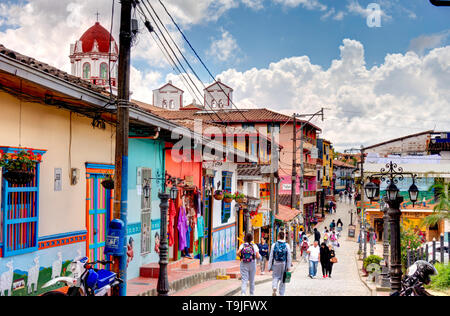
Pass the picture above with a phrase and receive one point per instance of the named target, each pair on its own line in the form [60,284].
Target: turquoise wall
[143,153]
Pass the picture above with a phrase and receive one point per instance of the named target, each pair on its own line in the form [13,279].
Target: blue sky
[286,55]
[276,32]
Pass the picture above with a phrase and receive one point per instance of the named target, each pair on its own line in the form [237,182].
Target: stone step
[152,270]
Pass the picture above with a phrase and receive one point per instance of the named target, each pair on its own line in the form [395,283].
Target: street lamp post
[163,281]
[392,174]
[385,280]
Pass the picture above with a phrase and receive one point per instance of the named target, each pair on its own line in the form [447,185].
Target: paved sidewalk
[345,279]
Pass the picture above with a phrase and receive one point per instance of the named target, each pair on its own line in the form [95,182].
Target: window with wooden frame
[20,212]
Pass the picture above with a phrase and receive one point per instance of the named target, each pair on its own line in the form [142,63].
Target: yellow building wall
[45,127]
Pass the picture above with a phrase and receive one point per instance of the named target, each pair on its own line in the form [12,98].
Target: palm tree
[441,211]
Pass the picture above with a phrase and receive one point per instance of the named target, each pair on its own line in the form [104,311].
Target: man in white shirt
[314,258]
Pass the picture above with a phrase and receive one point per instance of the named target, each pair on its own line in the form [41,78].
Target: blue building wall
[143,153]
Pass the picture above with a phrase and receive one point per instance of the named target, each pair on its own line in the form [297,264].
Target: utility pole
[294,165]
[122,131]
[294,162]
[362,202]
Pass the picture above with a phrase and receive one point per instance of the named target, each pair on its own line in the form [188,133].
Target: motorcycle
[86,280]
[417,276]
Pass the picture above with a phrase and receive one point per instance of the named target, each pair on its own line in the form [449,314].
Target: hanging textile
[182,228]
[172,214]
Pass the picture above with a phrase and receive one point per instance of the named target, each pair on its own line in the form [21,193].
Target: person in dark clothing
[332,255]
[264,252]
[316,235]
[324,259]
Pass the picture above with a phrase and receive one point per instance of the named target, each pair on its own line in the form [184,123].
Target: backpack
[248,253]
[280,251]
[325,237]
[305,246]
[333,237]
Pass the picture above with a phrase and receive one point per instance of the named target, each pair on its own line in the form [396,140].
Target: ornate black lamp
[392,174]
[371,190]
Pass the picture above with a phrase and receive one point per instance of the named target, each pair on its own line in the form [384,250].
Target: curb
[188,282]
[373,292]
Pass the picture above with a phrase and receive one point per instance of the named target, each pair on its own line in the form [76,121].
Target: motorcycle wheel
[54,293]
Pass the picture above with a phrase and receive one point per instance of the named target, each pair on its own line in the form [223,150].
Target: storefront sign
[286,186]
[257,220]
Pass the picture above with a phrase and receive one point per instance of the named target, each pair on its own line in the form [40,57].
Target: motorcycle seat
[105,277]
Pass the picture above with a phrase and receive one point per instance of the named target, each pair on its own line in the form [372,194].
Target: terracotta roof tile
[286,214]
[50,69]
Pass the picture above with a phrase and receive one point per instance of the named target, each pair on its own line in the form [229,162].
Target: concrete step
[152,270]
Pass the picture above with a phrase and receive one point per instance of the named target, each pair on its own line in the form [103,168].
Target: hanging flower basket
[218,195]
[239,198]
[108,183]
[19,168]
[19,177]
[228,198]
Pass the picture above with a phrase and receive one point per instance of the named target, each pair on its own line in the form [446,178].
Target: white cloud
[425,42]
[224,49]
[308,4]
[405,94]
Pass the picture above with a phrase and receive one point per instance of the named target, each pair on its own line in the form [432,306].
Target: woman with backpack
[280,262]
[304,249]
[249,253]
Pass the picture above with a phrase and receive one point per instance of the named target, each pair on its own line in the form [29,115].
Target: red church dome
[96,33]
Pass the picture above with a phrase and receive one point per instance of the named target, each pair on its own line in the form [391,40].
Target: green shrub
[442,280]
[372,259]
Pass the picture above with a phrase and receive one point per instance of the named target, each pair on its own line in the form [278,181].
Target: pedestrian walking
[334,239]
[324,259]
[314,257]
[340,196]
[316,235]
[332,224]
[304,249]
[326,236]
[333,260]
[280,262]
[249,253]
[264,253]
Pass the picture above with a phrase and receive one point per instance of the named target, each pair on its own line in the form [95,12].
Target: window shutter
[146,211]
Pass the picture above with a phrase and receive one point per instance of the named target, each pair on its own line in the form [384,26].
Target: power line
[174,54]
[182,55]
[198,57]
[170,59]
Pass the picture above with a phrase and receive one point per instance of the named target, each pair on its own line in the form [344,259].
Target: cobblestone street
[345,280]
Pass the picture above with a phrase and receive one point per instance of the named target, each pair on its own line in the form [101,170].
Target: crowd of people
[277,258]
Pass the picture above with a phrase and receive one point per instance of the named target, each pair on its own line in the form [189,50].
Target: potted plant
[218,195]
[19,168]
[239,197]
[228,197]
[108,183]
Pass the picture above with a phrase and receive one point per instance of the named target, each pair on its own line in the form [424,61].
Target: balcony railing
[309,193]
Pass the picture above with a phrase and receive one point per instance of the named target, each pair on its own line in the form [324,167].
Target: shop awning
[286,214]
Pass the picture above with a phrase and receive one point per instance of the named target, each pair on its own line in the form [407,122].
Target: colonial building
[168,97]
[94,57]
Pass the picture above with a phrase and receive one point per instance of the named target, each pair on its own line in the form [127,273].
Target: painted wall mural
[224,244]
[24,275]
